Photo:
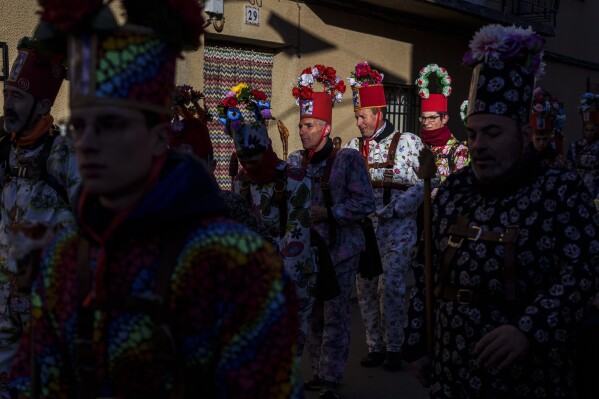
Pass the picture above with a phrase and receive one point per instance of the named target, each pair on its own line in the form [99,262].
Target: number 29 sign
[252,15]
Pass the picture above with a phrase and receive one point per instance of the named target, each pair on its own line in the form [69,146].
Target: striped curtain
[224,67]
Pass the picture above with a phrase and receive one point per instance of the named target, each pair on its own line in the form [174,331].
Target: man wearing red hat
[392,161]
[546,122]
[450,154]
[341,198]
[155,292]
[38,174]
[583,155]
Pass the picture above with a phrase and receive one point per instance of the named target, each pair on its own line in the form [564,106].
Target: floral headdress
[545,105]
[364,76]
[588,102]
[443,79]
[327,76]
[497,43]
[179,22]
[242,102]
[506,60]
[186,106]
[130,65]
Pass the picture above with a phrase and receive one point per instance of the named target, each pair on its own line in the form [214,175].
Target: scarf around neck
[41,128]
[436,137]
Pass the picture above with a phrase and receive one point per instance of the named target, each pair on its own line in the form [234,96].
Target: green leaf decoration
[301,196]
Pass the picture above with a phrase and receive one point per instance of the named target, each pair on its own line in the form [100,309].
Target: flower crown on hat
[545,104]
[588,102]
[179,22]
[243,98]
[443,79]
[327,76]
[186,106]
[364,76]
[496,42]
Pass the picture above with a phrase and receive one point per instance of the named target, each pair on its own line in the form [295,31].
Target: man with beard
[513,247]
[38,174]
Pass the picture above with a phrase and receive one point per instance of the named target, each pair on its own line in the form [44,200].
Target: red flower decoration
[230,102]
[306,92]
[295,92]
[258,95]
[340,86]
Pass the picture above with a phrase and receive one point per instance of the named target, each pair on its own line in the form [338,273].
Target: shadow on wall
[431,43]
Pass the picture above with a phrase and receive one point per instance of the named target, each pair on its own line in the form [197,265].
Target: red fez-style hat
[367,88]
[38,74]
[434,103]
[194,138]
[372,96]
[320,106]
[189,124]
[591,116]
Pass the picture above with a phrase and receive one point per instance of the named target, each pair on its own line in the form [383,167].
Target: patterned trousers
[330,326]
[383,303]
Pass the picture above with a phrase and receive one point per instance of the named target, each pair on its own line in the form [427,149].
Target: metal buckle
[478,233]
[454,244]
[464,297]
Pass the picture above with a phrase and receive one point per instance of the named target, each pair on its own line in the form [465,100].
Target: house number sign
[252,15]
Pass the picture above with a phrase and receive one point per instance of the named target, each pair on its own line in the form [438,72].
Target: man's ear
[445,119]
[161,133]
[43,107]
[327,129]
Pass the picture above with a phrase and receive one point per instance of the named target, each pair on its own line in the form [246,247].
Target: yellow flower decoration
[237,89]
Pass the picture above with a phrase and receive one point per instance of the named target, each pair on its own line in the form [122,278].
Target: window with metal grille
[403,107]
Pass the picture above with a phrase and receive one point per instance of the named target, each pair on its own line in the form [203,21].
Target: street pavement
[368,383]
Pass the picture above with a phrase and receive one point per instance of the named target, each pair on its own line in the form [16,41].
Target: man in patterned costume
[583,155]
[189,133]
[38,173]
[341,198]
[546,123]
[392,160]
[155,293]
[450,154]
[513,247]
[277,193]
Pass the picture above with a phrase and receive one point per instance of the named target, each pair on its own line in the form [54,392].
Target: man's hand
[319,213]
[501,347]
[421,369]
